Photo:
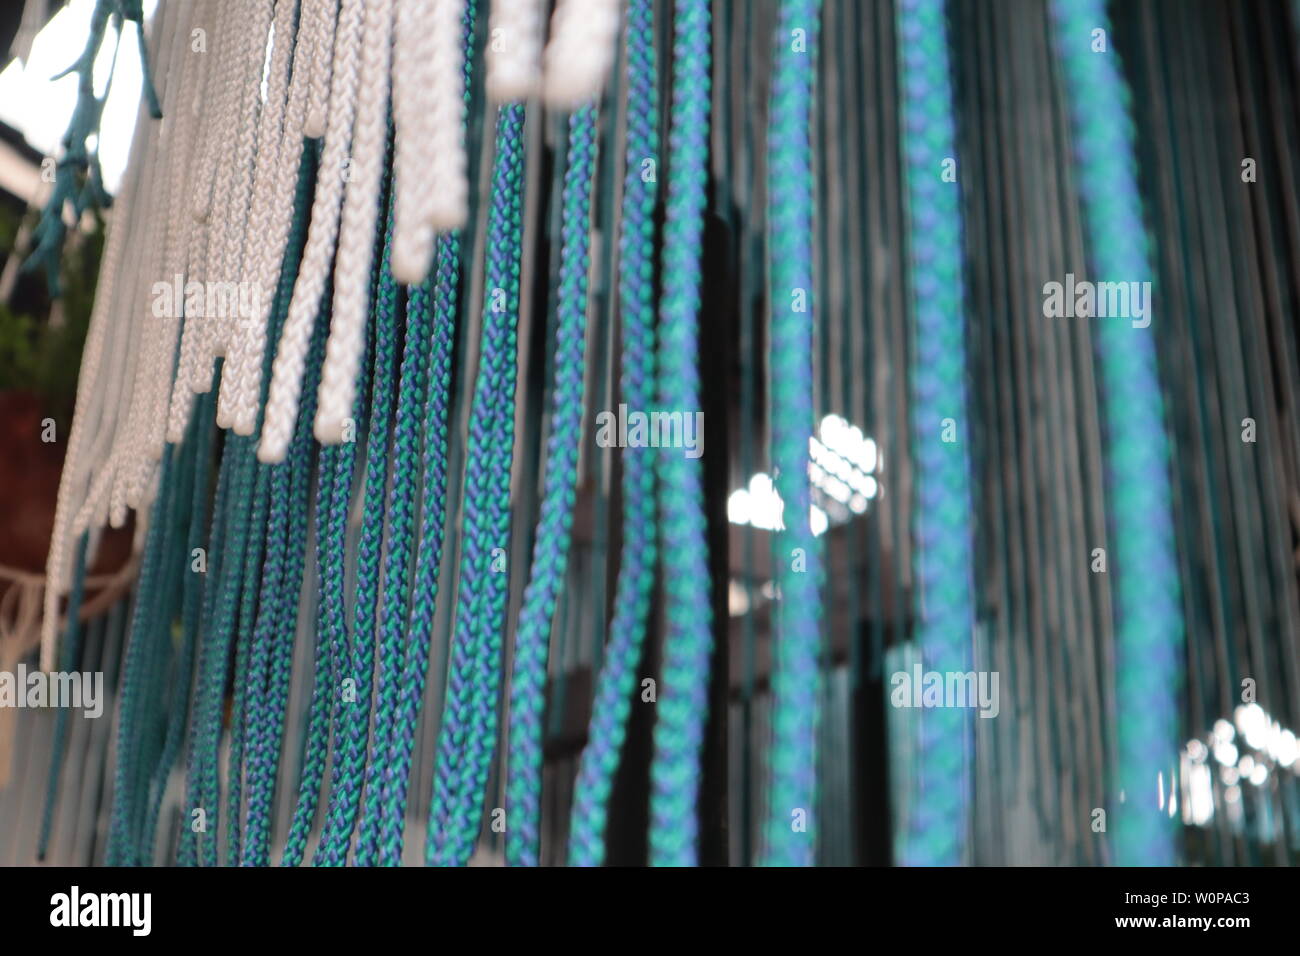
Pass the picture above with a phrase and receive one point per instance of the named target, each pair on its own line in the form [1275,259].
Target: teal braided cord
[69,653]
[203,790]
[942,520]
[150,729]
[187,848]
[551,544]
[121,848]
[350,758]
[481,592]
[396,760]
[410,422]
[1144,570]
[182,677]
[413,656]
[266,680]
[792,760]
[250,598]
[617,680]
[286,602]
[333,609]
[328,617]
[683,705]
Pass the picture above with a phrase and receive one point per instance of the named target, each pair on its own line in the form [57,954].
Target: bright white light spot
[818,520]
[1253,724]
[1259,775]
[41,109]
[1223,731]
[1226,754]
[1286,751]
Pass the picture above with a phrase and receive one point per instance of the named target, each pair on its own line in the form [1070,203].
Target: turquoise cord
[1144,562]
[636,574]
[683,691]
[551,544]
[792,762]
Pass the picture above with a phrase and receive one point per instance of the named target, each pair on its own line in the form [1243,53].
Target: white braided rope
[357,233]
[309,287]
[514,50]
[414,44]
[254,255]
[325,13]
[145,361]
[235,211]
[273,239]
[211,88]
[91,405]
[177,148]
[580,52]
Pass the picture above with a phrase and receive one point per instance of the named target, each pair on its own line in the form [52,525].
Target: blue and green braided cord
[348,771]
[937,822]
[1144,565]
[474,670]
[412,659]
[121,849]
[181,680]
[683,705]
[617,680]
[792,762]
[69,653]
[269,672]
[400,704]
[551,544]
[401,533]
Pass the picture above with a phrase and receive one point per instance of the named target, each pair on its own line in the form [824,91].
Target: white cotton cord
[514,50]
[146,359]
[177,92]
[89,407]
[357,233]
[204,122]
[448,184]
[321,63]
[313,271]
[232,184]
[248,385]
[580,52]
[414,45]
[223,44]
[266,195]
[237,210]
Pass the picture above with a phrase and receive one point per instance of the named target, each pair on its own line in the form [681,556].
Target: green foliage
[37,356]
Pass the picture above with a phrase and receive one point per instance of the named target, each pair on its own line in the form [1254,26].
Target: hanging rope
[682,706]
[481,589]
[551,544]
[790,835]
[1149,634]
[617,681]
[941,428]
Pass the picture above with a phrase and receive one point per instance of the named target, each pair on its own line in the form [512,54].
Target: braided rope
[683,706]
[291,352]
[481,591]
[69,654]
[514,50]
[357,232]
[580,52]
[326,15]
[793,759]
[551,544]
[937,825]
[617,680]
[1149,625]
[348,772]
